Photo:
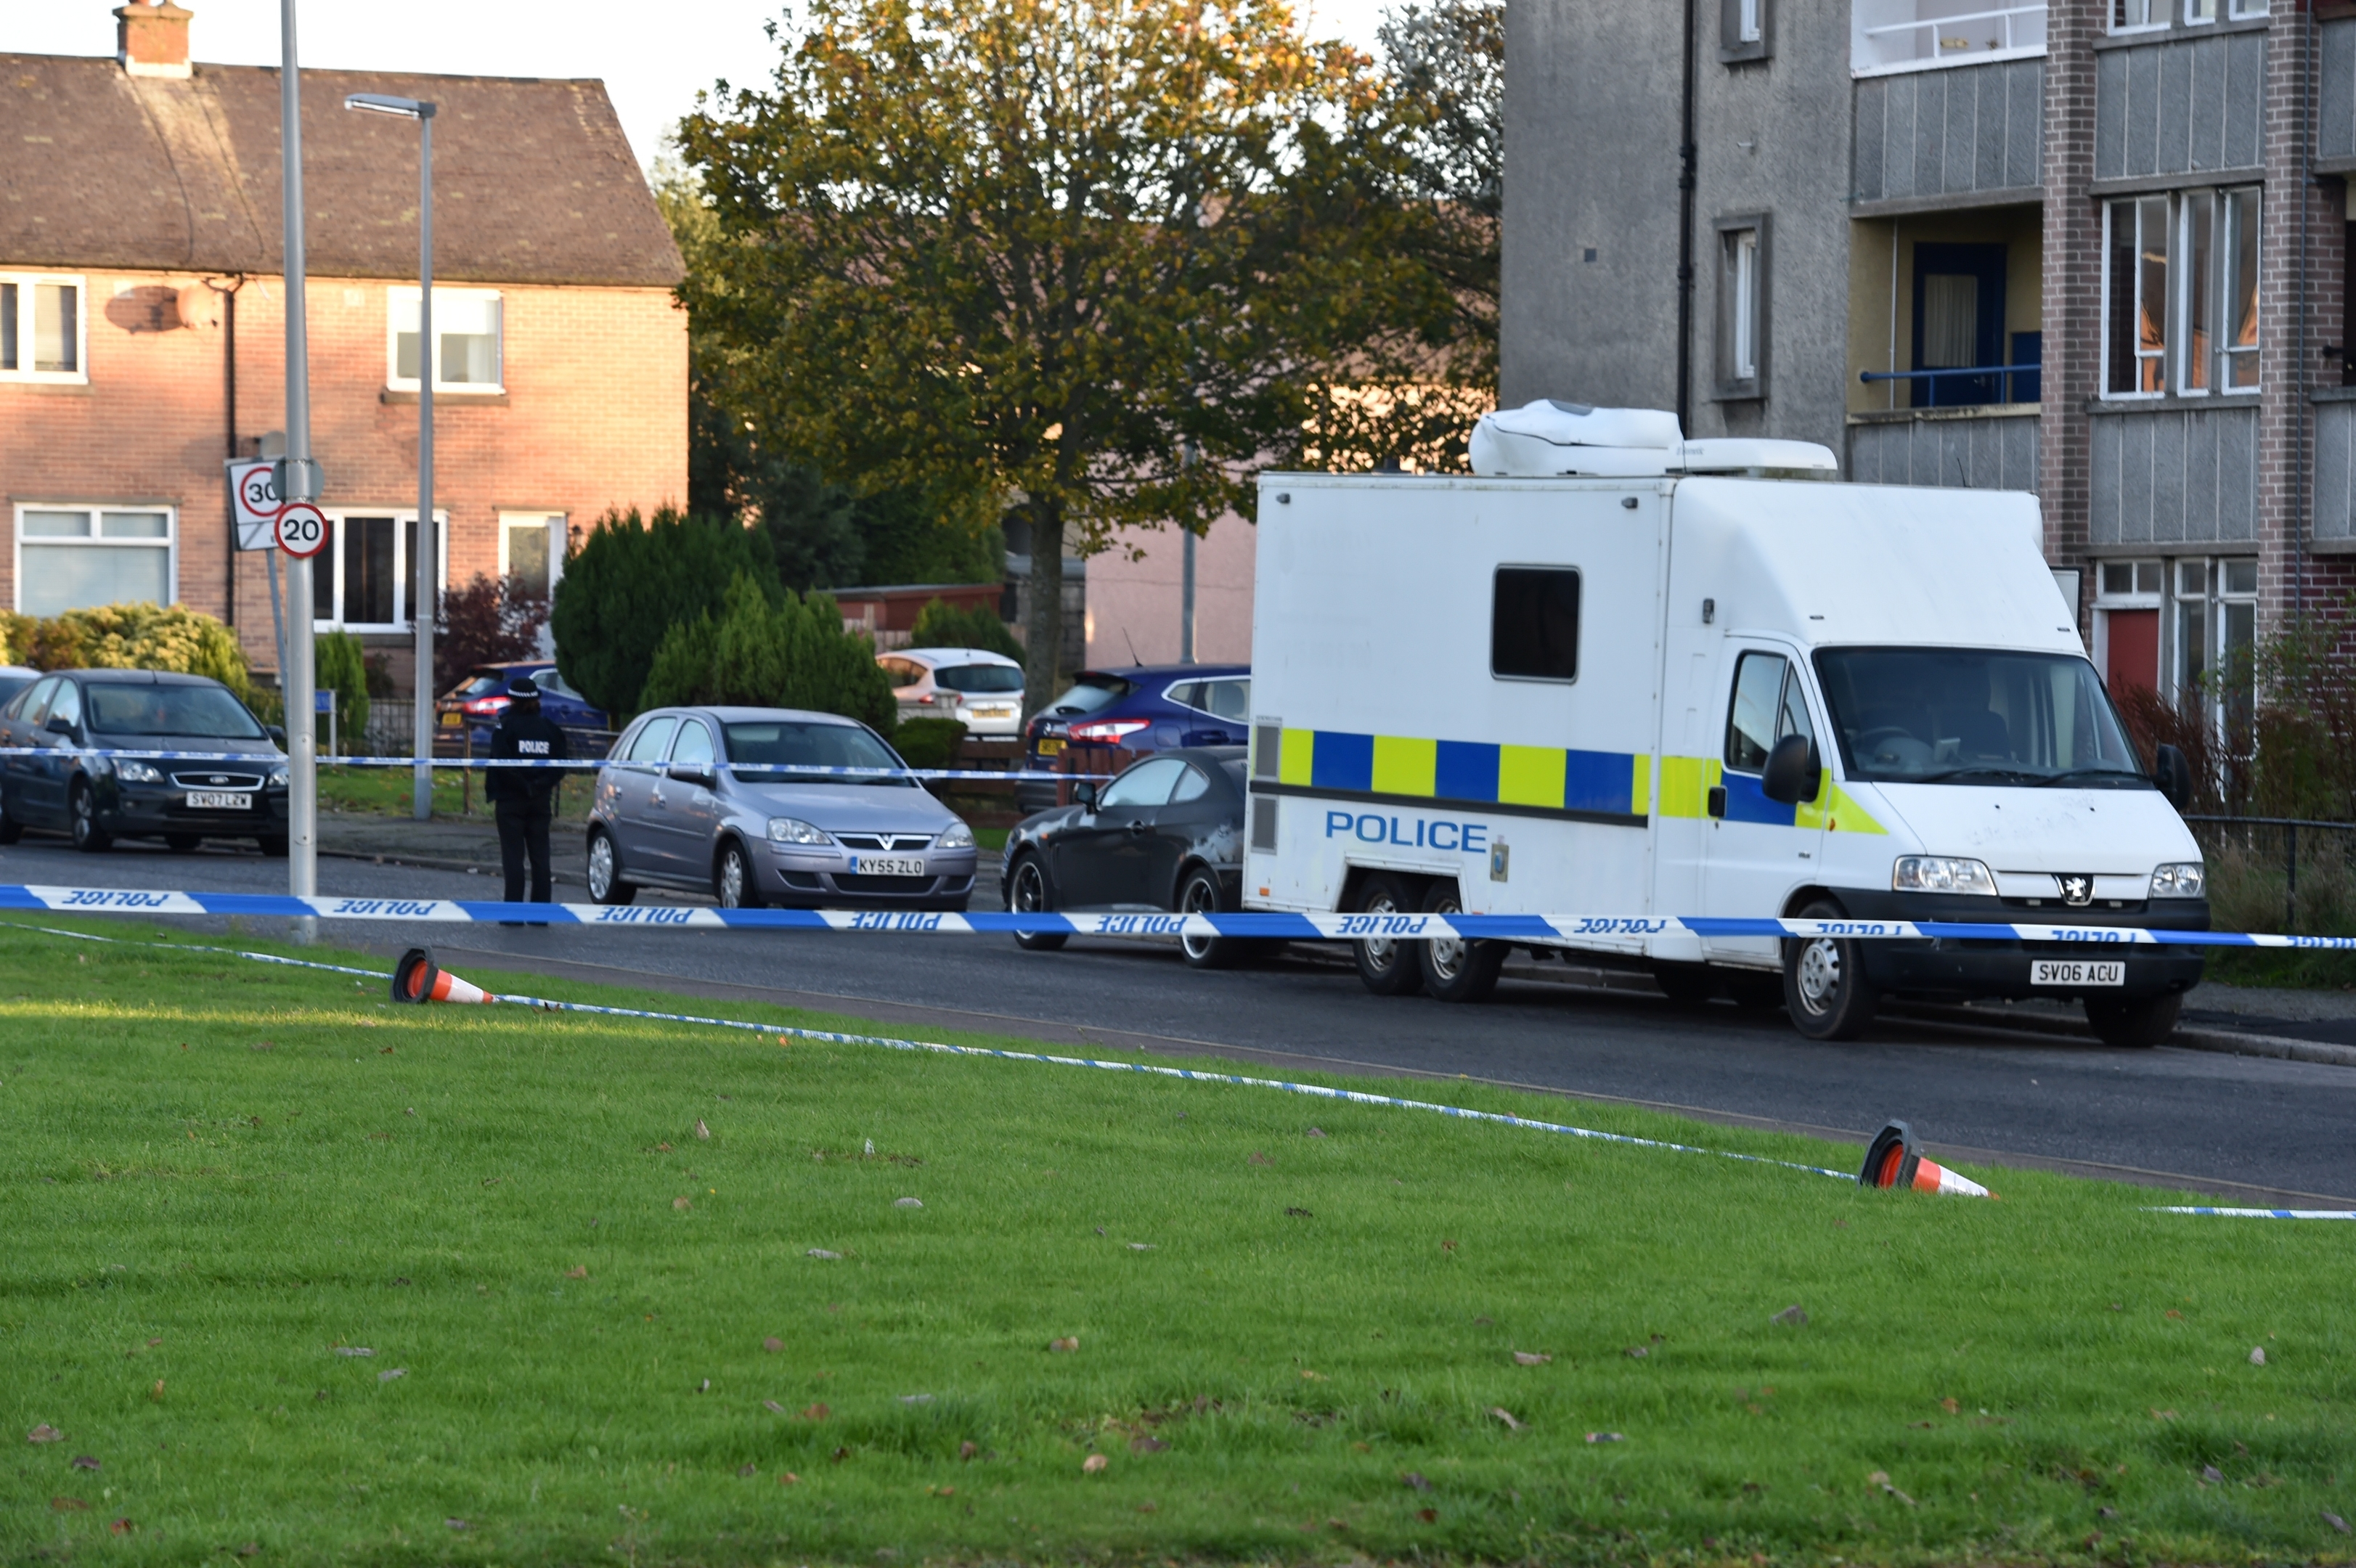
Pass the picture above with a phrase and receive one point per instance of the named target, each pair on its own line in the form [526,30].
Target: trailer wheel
[1823,981]
[1456,970]
[1386,967]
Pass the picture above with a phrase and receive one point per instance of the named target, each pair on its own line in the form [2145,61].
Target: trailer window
[1534,624]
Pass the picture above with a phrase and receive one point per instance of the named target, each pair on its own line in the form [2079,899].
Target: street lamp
[428,569]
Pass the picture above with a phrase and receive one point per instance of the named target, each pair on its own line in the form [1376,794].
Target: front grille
[853,883]
[900,843]
[217,781]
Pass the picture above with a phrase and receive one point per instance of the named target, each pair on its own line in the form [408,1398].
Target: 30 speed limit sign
[302,528]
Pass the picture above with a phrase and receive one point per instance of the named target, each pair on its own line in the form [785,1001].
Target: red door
[2134,650]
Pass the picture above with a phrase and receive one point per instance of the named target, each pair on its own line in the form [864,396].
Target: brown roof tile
[533,180]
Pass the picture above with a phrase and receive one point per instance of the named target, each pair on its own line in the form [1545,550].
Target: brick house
[2093,249]
[143,329]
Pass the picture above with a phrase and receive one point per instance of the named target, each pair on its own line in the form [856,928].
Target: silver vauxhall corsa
[683,802]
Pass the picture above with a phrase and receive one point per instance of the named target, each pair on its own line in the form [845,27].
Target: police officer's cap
[524,690]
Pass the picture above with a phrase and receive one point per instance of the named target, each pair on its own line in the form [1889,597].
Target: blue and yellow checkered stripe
[1613,784]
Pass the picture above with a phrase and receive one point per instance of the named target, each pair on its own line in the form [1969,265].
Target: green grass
[214,1173]
[390,791]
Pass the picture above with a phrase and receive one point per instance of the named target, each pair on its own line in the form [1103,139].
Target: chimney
[151,38]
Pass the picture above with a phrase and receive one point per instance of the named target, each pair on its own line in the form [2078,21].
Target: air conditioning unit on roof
[1550,438]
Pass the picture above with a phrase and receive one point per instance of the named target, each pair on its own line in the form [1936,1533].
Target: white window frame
[26,282]
[330,560]
[2227,247]
[1890,38]
[400,294]
[2192,19]
[2243,10]
[2107,599]
[556,523]
[2168,310]
[2155,13]
[170,546]
[1750,21]
[1743,260]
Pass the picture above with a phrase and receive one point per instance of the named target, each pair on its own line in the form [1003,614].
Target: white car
[981,690]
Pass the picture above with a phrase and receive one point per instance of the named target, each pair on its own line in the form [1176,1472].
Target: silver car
[683,803]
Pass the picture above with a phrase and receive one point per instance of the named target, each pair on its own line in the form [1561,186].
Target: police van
[1619,673]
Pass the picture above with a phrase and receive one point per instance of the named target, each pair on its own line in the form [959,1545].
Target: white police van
[1620,674]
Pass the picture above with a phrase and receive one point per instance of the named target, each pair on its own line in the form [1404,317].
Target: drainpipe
[1686,164]
[229,424]
[2299,388]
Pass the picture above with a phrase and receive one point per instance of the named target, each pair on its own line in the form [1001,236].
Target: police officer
[520,796]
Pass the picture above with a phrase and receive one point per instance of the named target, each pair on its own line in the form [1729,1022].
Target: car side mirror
[1086,794]
[2173,775]
[60,725]
[277,733]
[693,772]
[1795,771]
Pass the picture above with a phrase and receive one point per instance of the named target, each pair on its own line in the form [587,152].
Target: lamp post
[298,680]
[423,602]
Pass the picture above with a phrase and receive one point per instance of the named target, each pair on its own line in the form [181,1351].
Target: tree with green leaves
[769,650]
[630,582]
[1092,260]
[939,627]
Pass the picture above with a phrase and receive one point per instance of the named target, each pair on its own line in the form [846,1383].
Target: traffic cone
[417,978]
[1894,1161]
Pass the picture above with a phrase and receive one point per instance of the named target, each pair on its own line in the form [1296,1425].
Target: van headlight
[1941,874]
[794,830]
[2184,880]
[959,837]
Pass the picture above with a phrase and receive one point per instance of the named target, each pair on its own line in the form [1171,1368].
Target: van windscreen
[1974,715]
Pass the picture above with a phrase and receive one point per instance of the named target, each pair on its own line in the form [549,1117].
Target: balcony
[1974,449]
[2335,469]
[1956,137]
[1889,37]
[2174,471]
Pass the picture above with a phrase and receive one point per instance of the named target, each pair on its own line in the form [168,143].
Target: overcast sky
[652,56]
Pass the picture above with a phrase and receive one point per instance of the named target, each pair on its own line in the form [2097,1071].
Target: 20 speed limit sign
[302,528]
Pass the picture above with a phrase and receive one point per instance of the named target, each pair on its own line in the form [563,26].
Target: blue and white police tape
[832,1037]
[759,770]
[1277,926]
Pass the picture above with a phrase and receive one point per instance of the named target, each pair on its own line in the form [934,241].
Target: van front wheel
[1824,982]
[1388,967]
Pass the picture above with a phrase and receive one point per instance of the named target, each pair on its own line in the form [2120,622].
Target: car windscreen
[1089,693]
[792,743]
[1974,715]
[979,677]
[482,683]
[207,711]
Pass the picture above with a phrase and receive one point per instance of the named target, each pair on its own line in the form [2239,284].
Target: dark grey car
[96,800]
[673,810]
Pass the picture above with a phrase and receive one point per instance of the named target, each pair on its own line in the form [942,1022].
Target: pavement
[2002,1086]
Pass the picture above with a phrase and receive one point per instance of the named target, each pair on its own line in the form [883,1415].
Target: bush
[787,651]
[939,627]
[484,622]
[338,666]
[630,584]
[929,743]
[132,637]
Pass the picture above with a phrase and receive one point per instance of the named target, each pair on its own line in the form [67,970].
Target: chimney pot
[151,38]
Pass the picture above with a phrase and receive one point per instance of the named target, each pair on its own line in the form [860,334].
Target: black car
[97,799]
[1167,834]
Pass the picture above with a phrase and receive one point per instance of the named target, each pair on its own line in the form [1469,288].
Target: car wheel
[1027,893]
[87,836]
[276,848]
[734,883]
[2139,1024]
[1456,969]
[1199,894]
[606,884]
[1386,967]
[1823,981]
[182,843]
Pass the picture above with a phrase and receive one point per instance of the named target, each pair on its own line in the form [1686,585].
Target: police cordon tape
[1263,925]
[417,978]
[792,770]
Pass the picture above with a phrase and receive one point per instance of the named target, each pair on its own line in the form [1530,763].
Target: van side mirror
[2173,775]
[1795,771]
[1086,794]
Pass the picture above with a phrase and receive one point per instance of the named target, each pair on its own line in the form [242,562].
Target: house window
[1889,36]
[2181,275]
[1742,308]
[361,581]
[2237,316]
[2136,306]
[2241,8]
[531,552]
[2135,15]
[2127,595]
[467,355]
[77,557]
[1741,31]
[2198,11]
[42,330]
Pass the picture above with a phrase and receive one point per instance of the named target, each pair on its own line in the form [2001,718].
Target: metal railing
[2008,34]
[2007,371]
[2247,853]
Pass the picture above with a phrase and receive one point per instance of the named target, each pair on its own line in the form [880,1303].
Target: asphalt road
[2246,1128]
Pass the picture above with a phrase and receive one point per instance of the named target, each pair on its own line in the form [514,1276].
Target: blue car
[1145,707]
[482,696]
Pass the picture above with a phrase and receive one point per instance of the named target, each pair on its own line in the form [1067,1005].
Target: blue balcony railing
[1980,384]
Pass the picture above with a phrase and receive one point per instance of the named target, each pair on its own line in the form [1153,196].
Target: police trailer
[1622,674]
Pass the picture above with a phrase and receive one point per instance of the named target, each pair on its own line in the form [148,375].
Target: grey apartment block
[1934,186]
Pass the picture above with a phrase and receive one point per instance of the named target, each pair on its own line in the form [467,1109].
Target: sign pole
[297,679]
[429,575]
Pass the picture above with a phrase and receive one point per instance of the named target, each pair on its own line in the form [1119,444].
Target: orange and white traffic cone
[417,978]
[1894,1161]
